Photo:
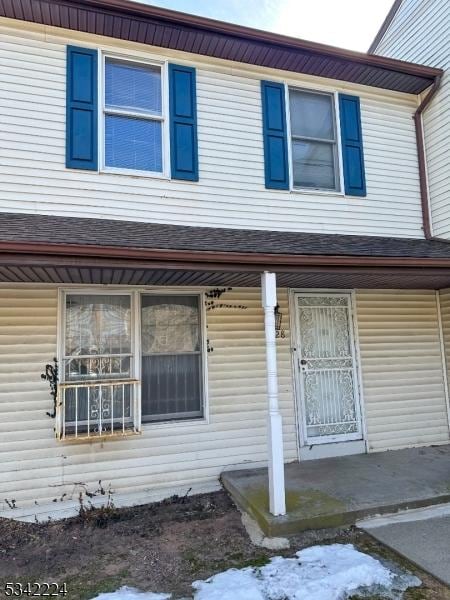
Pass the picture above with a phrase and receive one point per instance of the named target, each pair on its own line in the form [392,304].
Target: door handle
[303,362]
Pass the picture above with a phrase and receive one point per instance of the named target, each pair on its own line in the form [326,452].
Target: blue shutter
[276,166]
[81,109]
[183,123]
[352,145]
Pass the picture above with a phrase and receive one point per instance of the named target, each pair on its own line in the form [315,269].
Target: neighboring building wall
[420,33]
[231,190]
[165,459]
[402,368]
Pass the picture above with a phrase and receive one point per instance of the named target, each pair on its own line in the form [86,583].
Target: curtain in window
[171,357]
[98,336]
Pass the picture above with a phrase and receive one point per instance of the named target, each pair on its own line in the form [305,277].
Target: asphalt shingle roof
[32,228]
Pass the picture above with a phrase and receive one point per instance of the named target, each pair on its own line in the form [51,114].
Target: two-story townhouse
[218,233]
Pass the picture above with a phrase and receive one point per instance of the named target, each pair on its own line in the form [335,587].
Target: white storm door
[329,403]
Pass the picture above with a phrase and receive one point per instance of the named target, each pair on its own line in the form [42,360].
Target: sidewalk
[421,536]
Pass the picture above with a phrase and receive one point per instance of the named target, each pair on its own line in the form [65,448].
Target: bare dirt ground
[160,547]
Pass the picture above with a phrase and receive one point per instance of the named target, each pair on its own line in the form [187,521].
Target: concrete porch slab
[333,492]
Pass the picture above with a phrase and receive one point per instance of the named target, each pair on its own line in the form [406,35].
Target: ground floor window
[129,358]
[171,357]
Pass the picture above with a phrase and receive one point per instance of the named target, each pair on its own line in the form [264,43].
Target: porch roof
[47,248]
[63,231]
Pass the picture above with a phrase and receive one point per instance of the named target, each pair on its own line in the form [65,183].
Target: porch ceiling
[336,277]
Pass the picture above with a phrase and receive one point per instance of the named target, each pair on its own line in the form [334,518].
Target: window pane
[97,325]
[132,86]
[170,324]
[132,143]
[313,165]
[171,357]
[171,386]
[311,115]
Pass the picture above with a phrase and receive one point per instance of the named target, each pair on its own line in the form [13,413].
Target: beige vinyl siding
[231,190]
[420,33]
[165,459]
[402,369]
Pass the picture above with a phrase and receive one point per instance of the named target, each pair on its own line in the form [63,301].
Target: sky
[348,24]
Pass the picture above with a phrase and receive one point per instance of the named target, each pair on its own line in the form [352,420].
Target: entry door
[329,403]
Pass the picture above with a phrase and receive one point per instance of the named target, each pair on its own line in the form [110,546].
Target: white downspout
[277,499]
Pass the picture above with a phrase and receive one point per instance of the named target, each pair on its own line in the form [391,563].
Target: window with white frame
[133,116]
[100,391]
[314,142]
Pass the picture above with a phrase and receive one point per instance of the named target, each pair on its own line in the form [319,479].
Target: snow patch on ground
[333,572]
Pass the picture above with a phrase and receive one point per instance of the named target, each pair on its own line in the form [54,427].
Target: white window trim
[136,294]
[339,164]
[163,65]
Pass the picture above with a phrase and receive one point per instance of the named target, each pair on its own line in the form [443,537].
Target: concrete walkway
[339,491]
[425,541]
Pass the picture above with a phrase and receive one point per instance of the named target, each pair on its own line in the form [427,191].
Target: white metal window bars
[98,394]
[100,418]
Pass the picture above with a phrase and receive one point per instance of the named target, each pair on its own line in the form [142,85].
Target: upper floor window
[133,116]
[314,143]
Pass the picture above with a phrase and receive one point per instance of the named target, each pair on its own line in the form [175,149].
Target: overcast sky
[345,23]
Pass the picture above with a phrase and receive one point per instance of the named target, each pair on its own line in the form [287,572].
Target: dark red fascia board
[185,259]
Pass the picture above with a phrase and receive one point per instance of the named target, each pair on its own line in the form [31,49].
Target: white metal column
[277,499]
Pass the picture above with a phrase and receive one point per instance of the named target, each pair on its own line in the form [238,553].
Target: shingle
[130,234]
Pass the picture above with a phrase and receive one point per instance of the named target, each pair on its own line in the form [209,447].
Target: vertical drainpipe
[277,496]
[423,178]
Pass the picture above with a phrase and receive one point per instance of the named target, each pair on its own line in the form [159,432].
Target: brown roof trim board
[385,26]
[155,26]
[208,247]
[224,261]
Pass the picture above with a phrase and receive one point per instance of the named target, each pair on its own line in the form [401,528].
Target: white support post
[277,498]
